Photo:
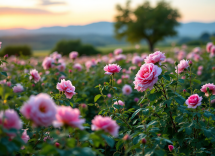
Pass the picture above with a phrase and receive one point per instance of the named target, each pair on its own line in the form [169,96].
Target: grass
[41,53]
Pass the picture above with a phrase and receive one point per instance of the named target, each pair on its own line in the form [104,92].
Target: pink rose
[125,76]
[48,63]
[200,68]
[10,119]
[184,64]
[66,115]
[0,44]
[193,101]
[34,75]
[109,95]
[120,57]
[181,55]
[119,81]
[25,137]
[41,109]
[55,55]
[146,77]
[127,90]
[117,51]
[119,102]
[132,68]
[112,68]
[144,56]
[67,88]
[213,49]
[18,88]
[136,99]
[137,60]
[105,123]
[208,47]
[62,65]
[156,57]
[73,55]
[211,87]
[77,66]
[199,72]
[61,77]
[171,147]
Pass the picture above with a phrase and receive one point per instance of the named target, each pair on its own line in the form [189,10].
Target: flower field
[116,104]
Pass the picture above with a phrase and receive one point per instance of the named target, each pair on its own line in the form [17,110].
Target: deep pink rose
[66,115]
[208,47]
[34,75]
[112,68]
[10,119]
[156,57]
[171,147]
[193,101]
[184,64]
[41,109]
[105,123]
[67,88]
[211,87]
[48,63]
[146,77]
[73,55]
[127,90]
[18,88]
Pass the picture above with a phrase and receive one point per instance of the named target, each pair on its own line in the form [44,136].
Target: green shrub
[16,50]
[66,46]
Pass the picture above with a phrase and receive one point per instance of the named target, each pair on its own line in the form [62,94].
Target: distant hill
[192,29]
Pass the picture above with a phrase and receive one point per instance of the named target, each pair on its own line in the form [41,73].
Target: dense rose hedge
[109,105]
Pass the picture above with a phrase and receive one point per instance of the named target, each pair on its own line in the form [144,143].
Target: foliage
[16,50]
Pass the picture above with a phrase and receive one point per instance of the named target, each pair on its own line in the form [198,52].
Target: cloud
[50,2]
[26,11]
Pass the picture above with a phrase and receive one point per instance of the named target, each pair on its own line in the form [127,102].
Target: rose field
[152,104]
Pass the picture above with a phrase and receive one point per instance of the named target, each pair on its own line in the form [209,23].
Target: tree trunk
[151,46]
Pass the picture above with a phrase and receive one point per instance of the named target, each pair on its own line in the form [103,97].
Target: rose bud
[57,145]
[171,147]
[70,71]
[143,141]
[126,137]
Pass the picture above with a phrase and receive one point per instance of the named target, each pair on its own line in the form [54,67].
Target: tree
[146,22]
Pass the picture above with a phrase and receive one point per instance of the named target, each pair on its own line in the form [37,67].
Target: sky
[33,14]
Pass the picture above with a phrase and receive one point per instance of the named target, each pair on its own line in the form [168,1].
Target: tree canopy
[146,22]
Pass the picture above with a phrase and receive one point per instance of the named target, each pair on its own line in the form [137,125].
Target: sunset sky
[33,14]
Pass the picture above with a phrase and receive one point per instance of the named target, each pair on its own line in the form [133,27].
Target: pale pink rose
[124,70]
[144,56]
[34,75]
[181,55]
[197,50]
[66,115]
[18,88]
[183,77]
[25,137]
[112,69]
[200,68]
[137,60]
[55,55]
[147,76]
[197,57]
[10,119]
[48,63]
[90,64]
[171,147]
[211,87]
[73,55]
[119,81]
[40,109]
[105,59]
[127,90]
[62,77]
[169,60]
[120,57]
[0,44]
[209,46]
[199,72]
[132,68]
[62,65]
[112,60]
[156,57]
[213,49]
[184,64]
[77,66]
[117,51]
[193,101]
[190,55]
[109,95]
[67,88]
[105,123]
[125,76]
[137,46]
[5,82]
[136,99]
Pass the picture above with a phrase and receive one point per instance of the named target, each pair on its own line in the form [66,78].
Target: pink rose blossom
[184,64]
[137,60]
[199,72]
[18,88]
[67,88]
[171,147]
[10,119]
[136,99]
[132,68]
[112,69]
[120,57]
[200,68]
[109,95]
[193,101]
[77,66]
[25,137]
[146,77]
[119,102]
[117,51]
[105,123]
[144,56]
[119,81]
[34,75]
[66,115]
[48,63]
[213,49]
[126,137]
[5,82]
[62,65]
[73,55]
[55,55]
[208,47]
[41,109]
[0,44]
[127,90]
[125,76]
[197,50]
[61,77]
[156,57]
[181,55]
[211,87]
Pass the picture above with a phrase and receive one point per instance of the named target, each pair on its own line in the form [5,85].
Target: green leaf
[188,130]
[136,112]
[212,97]
[146,111]
[151,123]
[155,96]
[207,133]
[4,73]
[167,77]
[71,104]
[207,114]
[109,140]
[97,97]
[196,81]
[181,80]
